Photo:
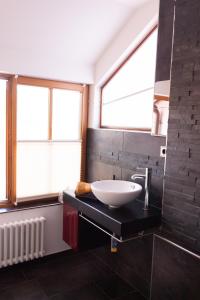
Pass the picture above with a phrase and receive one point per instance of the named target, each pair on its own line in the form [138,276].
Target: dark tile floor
[67,275]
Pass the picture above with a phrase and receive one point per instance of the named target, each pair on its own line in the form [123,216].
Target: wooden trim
[8,96]
[115,72]
[50,83]
[84,123]
[101,107]
[14,138]
[37,201]
[161,97]
[50,113]
[5,204]
[5,76]
[11,139]
[129,56]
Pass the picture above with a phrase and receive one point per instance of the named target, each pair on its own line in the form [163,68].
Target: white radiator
[21,241]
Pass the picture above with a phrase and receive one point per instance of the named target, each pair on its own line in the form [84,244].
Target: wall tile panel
[175,273]
[182,193]
[111,152]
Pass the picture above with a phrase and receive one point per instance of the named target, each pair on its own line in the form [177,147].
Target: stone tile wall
[165,34]
[175,272]
[181,208]
[116,153]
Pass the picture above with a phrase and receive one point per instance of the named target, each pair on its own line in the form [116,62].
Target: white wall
[141,22]
[53,227]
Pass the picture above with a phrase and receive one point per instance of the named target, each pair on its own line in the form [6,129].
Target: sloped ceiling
[56,38]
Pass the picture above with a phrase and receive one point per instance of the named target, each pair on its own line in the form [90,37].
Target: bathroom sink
[115,193]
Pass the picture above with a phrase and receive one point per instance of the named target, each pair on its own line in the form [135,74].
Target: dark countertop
[124,221]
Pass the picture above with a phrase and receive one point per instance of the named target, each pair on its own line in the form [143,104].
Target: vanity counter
[124,221]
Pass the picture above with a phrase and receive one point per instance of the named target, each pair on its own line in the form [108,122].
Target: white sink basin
[115,193]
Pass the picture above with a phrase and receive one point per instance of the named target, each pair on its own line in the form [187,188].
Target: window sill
[30,205]
[124,129]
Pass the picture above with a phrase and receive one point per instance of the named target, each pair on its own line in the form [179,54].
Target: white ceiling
[65,32]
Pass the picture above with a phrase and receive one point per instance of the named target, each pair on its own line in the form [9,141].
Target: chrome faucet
[147,177]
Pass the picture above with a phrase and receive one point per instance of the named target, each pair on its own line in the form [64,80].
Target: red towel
[70,226]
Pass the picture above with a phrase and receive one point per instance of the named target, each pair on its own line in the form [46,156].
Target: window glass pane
[45,167]
[32,112]
[127,99]
[66,115]
[3,139]
[137,74]
[134,111]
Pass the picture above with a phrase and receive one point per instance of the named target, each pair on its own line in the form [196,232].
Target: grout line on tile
[152,265]
[178,246]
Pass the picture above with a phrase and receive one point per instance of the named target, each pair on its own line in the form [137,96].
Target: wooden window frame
[10,140]
[110,78]
[11,130]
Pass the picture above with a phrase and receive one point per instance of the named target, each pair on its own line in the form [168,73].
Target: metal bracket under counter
[113,235]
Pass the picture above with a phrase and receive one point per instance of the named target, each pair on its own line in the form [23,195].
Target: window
[127,97]
[47,130]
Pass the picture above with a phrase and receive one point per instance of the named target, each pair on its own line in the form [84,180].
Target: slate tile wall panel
[165,32]
[132,262]
[118,153]
[181,209]
[175,273]
[112,152]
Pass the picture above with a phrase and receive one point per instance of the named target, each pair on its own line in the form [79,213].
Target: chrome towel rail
[113,235]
